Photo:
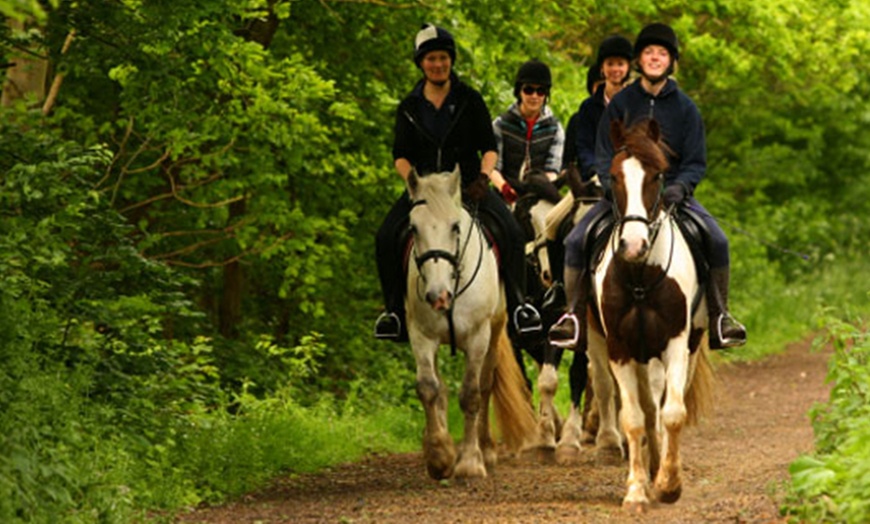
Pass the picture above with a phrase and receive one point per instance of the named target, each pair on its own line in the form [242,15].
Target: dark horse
[546,217]
[648,323]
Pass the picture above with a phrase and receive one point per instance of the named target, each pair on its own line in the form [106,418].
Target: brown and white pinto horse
[643,325]
[455,296]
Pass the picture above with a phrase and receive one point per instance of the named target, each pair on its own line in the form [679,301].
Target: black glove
[477,190]
[675,194]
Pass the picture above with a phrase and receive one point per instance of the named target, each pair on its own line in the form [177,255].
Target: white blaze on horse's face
[436,225]
[634,240]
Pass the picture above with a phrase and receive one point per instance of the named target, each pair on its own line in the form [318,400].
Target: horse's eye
[412,229]
[660,177]
[455,228]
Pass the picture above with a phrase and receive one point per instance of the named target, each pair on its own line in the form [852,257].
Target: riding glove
[675,193]
[476,190]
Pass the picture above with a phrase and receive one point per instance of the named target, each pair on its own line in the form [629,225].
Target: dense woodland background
[189,192]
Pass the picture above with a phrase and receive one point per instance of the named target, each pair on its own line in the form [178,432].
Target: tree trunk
[28,74]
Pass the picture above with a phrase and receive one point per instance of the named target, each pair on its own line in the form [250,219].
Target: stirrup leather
[570,342]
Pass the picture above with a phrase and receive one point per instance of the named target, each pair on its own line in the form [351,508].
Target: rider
[656,95]
[528,134]
[442,123]
[606,77]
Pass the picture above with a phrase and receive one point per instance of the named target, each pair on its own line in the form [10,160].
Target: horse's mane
[643,140]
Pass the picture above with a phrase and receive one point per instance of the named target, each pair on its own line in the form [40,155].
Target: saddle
[691,225]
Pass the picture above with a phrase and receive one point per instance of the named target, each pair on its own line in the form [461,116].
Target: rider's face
[614,69]
[436,66]
[654,61]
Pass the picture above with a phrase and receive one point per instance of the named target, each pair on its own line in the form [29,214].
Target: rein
[455,259]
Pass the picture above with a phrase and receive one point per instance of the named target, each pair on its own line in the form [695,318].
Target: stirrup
[566,343]
[533,317]
[717,341]
[388,326]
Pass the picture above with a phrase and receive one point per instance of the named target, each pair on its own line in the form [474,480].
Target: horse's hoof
[469,470]
[567,454]
[635,507]
[608,455]
[669,497]
[439,472]
[439,460]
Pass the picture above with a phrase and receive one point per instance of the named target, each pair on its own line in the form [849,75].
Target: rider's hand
[508,193]
[675,194]
[477,190]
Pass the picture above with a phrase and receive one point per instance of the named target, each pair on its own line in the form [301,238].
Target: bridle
[638,290]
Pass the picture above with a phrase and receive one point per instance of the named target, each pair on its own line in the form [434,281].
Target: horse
[647,323]
[455,296]
[543,214]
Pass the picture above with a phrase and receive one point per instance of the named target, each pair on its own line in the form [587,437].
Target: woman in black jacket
[443,123]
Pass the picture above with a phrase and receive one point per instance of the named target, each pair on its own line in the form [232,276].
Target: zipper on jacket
[652,106]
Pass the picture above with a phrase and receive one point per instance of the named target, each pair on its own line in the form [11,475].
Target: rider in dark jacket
[443,123]
[656,96]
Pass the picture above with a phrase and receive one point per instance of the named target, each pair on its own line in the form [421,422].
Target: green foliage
[186,241]
[831,485]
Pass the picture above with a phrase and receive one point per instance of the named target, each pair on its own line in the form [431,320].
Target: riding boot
[570,331]
[389,325]
[524,316]
[725,330]
[554,298]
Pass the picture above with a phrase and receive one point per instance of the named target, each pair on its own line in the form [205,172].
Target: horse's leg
[570,443]
[487,379]
[649,397]
[632,418]
[590,413]
[608,442]
[470,461]
[668,484]
[548,381]
[438,450]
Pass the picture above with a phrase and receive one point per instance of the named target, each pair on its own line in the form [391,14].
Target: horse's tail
[702,388]
[512,400]
[557,215]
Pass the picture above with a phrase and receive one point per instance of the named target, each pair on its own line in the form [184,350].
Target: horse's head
[436,226]
[637,178]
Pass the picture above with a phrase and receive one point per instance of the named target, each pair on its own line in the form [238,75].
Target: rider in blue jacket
[655,95]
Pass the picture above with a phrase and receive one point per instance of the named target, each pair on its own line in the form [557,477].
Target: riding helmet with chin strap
[433,38]
[532,72]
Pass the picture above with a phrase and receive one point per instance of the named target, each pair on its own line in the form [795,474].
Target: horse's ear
[413,181]
[653,130]
[617,134]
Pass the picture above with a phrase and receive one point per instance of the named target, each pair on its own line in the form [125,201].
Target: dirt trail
[735,464]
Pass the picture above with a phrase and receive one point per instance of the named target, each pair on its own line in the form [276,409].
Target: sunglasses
[541,90]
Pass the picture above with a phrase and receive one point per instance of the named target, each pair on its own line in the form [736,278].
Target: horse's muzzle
[439,301]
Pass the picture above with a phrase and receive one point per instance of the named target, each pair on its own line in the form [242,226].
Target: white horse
[644,326]
[455,297]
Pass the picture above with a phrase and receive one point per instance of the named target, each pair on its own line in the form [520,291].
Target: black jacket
[581,134]
[469,134]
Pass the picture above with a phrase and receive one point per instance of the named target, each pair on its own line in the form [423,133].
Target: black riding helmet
[615,45]
[432,38]
[659,34]
[532,72]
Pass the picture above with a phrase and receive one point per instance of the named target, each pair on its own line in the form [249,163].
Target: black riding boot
[725,331]
[554,299]
[570,331]
[524,317]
